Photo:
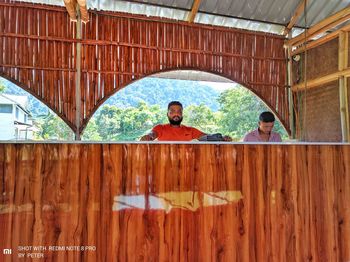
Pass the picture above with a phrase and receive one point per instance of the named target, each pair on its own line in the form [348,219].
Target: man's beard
[175,122]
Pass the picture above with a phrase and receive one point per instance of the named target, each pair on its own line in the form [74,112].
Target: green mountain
[158,91]
[150,90]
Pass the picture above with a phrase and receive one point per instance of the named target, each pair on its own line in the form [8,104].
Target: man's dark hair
[267,117]
[174,103]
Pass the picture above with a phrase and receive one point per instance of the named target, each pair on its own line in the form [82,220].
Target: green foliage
[201,117]
[2,87]
[159,91]
[134,110]
[91,131]
[240,113]
[113,123]
[53,127]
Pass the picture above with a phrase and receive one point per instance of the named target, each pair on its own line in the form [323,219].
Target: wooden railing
[175,202]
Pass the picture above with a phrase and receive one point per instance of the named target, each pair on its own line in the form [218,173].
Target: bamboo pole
[192,14]
[343,94]
[83,11]
[290,93]
[293,20]
[322,30]
[321,80]
[77,79]
[71,9]
[321,40]
[321,27]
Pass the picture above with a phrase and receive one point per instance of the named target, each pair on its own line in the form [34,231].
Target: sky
[219,86]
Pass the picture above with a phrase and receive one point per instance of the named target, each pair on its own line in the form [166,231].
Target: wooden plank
[321,80]
[321,40]
[324,29]
[177,202]
[71,9]
[322,26]
[300,8]
[194,10]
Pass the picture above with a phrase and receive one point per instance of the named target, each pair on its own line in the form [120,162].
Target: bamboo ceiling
[39,46]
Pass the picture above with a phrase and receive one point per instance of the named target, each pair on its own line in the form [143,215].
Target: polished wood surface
[175,202]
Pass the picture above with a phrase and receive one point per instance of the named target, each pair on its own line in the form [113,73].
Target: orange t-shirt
[183,133]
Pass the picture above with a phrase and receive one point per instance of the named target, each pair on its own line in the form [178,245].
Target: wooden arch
[43,54]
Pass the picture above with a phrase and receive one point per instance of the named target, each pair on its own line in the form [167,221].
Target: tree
[53,127]
[201,117]
[128,124]
[240,112]
[91,131]
[108,121]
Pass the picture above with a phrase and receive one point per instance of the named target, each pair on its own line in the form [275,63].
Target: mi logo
[7,251]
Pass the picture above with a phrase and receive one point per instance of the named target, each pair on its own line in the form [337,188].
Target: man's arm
[278,137]
[227,138]
[149,137]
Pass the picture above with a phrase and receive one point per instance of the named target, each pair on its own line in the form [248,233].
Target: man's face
[266,127]
[175,115]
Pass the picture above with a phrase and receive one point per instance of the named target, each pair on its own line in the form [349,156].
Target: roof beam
[295,17]
[321,40]
[327,23]
[194,11]
[71,6]
[71,9]
[321,80]
[83,11]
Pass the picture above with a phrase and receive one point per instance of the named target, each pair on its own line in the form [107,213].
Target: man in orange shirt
[174,131]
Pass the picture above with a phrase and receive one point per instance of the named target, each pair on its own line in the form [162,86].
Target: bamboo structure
[177,202]
[116,49]
[71,9]
[343,54]
[329,73]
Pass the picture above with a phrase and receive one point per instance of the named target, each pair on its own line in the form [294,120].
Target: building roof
[21,101]
[263,15]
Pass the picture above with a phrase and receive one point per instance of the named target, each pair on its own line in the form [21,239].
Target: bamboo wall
[40,43]
[317,108]
[176,202]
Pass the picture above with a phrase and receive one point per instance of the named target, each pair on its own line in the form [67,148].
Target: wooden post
[194,10]
[290,93]
[343,92]
[298,11]
[324,25]
[77,79]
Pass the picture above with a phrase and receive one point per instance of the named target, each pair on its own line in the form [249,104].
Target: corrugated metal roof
[317,10]
[263,15]
[272,11]
[269,11]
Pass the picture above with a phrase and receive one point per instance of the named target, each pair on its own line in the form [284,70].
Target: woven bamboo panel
[38,56]
[167,202]
[119,48]
[319,119]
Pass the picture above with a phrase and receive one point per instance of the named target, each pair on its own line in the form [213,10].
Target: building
[15,119]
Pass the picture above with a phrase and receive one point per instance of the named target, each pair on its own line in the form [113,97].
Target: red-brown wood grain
[176,202]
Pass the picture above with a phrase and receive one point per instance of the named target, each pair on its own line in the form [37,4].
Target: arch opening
[24,117]
[211,102]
